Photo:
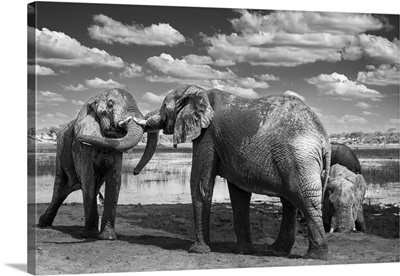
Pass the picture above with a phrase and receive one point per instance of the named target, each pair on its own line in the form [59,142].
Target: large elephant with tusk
[89,153]
[274,145]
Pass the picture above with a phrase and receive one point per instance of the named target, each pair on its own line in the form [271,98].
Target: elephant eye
[110,103]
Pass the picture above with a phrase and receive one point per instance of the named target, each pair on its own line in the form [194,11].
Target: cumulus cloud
[363,105]
[48,98]
[109,31]
[380,48]
[59,49]
[291,93]
[234,89]
[152,98]
[77,102]
[79,87]
[268,77]
[285,38]
[99,83]
[40,70]
[131,71]
[182,69]
[339,85]
[383,75]
[202,60]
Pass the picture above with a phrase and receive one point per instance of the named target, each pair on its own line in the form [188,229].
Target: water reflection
[166,180]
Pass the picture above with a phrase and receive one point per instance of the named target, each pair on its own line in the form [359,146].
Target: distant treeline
[391,136]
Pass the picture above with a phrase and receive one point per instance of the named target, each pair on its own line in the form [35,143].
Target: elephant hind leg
[287,232]
[61,191]
[311,206]
[240,200]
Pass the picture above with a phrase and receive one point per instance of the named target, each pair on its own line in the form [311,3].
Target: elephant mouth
[115,131]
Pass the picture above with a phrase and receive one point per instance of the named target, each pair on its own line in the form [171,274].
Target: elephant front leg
[240,200]
[90,205]
[112,188]
[287,232]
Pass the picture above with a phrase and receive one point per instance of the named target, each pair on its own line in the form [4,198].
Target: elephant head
[344,195]
[183,113]
[105,121]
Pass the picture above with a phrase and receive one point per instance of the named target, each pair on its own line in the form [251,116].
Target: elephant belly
[259,181]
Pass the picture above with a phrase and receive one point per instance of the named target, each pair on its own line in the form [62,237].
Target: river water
[165,180]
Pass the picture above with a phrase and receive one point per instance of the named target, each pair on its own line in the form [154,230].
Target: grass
[374,153]
[382,172]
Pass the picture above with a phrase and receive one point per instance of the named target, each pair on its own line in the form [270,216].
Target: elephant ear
[86,124]
[194,112]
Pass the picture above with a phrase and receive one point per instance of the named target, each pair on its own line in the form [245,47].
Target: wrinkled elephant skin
[274,145]
[89,153]
[345,192]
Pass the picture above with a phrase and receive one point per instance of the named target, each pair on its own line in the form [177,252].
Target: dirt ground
[157,237]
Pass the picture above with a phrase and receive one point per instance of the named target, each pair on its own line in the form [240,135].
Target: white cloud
[181,69]
[287,38]
[59,49]
[99,83]
[363,105]
[40,70]
[152,98]
[48,98]
[268,77]
[380,49]
[251,83]
[77,102]
[202,60]
[235,89]
[366,113]
[299,22]
[131,71]
[291,93]
[339,85]
[352,119]
[70,87]
[109,31]
[383,75]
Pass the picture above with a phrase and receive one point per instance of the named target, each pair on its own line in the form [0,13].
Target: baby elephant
[344,195]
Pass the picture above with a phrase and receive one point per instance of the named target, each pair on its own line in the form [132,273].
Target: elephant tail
[326,158]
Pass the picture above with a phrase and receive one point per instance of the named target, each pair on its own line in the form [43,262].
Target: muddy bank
[157,237]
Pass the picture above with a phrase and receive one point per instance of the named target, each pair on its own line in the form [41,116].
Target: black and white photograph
[180,138]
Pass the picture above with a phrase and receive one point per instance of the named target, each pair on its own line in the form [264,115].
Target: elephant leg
[360,224]
[202,181]
[240,200]
[60,192]
[287,232]
[89,202]
[311,206]
[112,188]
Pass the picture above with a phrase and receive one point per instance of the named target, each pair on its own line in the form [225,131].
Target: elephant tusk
[86,144]
[140,122]
[331,231]
[124,122]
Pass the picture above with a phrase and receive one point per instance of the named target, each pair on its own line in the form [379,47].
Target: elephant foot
[318,254]
[45,222]
[244,248]
[109,234]
[199,248]
[278,251]
[90,234]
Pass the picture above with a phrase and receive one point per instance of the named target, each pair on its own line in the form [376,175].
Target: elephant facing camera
[89,153]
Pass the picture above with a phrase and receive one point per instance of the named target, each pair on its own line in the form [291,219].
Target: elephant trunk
[345,220]
[132,137]
[152,140]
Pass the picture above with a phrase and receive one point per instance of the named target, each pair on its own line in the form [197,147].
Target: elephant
[343,199]
[273,145]
[89,153]
[343,155]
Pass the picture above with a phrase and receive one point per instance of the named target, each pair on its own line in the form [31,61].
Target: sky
[345,66]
